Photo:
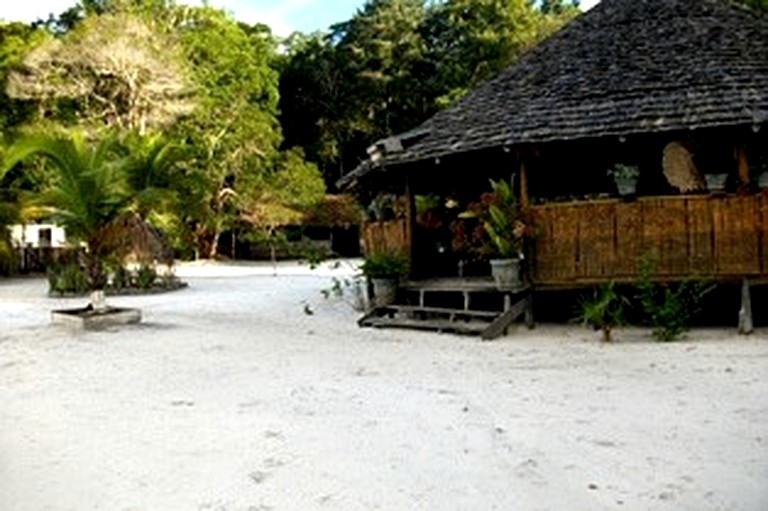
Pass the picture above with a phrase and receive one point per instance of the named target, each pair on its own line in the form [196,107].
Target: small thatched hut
[675,88]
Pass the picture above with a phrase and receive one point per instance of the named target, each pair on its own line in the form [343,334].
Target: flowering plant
[500,221]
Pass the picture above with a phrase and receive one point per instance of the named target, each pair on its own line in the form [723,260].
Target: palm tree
[8,216]
[149,165]
[89,196]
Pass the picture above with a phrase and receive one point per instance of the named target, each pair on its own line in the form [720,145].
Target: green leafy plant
[501,218]
[89,195]
[67,279]
[313,255]
[145,277]
[384,265]
[604,309]
[121,278]
[669,306]
[621,172]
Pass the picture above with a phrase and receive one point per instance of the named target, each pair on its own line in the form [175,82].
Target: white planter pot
[762,180]
[715,182]
[384,291]
[626,186]
[506,273]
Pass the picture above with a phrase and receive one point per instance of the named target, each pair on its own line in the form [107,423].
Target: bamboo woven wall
[721,237]
[391,237]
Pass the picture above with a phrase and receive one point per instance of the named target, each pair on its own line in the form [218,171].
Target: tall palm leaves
[90,194]
[149,164]
[8,215]
[104,191]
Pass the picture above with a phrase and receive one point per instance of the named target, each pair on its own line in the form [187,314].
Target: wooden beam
[746,326]
[743,165]
[410,222]
[524,197]
[500,325]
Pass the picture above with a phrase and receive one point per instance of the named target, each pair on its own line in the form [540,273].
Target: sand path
[230,398]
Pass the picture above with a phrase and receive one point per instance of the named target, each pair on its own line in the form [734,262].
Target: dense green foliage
[604,309]
[384,265]
[126,70]
[393,65]
[756,4]
[90,194]
[251,126]
[669,307]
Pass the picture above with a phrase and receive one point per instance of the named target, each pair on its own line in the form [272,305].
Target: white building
[38,236]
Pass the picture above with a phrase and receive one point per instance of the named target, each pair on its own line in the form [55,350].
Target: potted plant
[500,216]
[716,182]
[383,270]
[762,179]
[625,177]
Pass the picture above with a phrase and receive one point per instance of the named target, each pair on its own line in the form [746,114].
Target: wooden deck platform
[489,324]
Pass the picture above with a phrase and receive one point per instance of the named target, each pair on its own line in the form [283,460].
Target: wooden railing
[720,237]
[391,237]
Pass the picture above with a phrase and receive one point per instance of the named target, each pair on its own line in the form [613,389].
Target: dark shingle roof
[624,67]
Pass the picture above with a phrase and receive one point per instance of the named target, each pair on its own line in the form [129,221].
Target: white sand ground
[230,398]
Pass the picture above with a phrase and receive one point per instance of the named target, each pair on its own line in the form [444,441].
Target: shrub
[603,310]
[670,306]
[145,277]
[69,278]
[7,257]
[384,265]
[121,278]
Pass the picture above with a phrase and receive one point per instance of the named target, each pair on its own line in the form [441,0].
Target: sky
[283,16]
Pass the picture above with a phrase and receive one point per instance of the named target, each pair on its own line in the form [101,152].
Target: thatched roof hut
[625,67]
[641,84]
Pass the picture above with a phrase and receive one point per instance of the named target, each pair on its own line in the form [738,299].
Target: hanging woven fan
[680,170]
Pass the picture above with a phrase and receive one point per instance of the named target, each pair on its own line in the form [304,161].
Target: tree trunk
[94,270]
[97,279]
[213,253]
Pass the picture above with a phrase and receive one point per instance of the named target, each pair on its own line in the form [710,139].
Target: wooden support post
[410,222]
[524,198]
[529,321]
[745,313]
[741,157]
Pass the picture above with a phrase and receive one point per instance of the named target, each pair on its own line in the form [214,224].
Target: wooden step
[440,325]
[445,311]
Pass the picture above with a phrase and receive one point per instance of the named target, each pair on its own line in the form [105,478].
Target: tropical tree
[16,41]
[761,5]
[233,137]
[8,216]
[116,69]
[368,78]
[472,40]
[150,166]
[394,64]
[89,196]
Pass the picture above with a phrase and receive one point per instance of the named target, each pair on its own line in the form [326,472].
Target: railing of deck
[720,237]
[391,237]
